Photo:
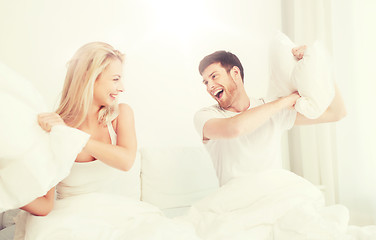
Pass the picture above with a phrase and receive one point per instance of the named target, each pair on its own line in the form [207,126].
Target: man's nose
[210,85]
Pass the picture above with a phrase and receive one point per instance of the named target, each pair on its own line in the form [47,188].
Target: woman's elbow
[44,211]
[128,163]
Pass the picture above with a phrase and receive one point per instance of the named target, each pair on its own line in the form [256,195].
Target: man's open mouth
[218,94]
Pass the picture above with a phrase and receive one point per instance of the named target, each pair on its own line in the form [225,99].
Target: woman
[88,103]
[82,211]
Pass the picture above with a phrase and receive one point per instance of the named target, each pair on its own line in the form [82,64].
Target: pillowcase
[312,76]
[32,161]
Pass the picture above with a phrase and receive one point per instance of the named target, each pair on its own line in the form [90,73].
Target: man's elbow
[234,132]
[339,115]
[342,115]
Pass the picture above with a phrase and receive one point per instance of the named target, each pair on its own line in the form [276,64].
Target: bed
[181,181]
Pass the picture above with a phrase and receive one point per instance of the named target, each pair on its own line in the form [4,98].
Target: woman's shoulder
[125,114]
[124,108]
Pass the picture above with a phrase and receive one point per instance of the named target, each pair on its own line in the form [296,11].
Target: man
[241,134]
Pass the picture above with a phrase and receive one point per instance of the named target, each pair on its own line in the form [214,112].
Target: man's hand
[290,100]
[298,52]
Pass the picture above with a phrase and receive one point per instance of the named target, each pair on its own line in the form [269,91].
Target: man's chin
[222,105]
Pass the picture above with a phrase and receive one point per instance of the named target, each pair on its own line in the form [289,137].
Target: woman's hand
[48,120]
[298,52]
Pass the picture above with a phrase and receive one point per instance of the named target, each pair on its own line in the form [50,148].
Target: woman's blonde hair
[83,70]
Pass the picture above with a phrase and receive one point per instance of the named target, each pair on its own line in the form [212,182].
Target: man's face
[219,84]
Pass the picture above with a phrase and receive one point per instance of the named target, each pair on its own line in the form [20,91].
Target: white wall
[163,42]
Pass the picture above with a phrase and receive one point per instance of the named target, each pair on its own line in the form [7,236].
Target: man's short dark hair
[226,59]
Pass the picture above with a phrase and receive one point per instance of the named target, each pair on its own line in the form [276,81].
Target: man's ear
[235,73]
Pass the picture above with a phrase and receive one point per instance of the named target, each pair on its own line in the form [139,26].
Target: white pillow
[32,161]
[311,76]
[177,176]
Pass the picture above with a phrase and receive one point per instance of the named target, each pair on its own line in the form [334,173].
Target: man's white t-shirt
[250,153]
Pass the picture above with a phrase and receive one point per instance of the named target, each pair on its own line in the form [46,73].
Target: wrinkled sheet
[275,205]
[98,216]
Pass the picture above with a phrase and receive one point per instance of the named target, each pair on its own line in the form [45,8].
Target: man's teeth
[216,92]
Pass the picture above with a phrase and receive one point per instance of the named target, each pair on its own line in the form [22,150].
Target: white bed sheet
[273,205]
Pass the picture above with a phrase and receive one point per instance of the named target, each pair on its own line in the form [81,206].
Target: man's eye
[205,82]
[116,79]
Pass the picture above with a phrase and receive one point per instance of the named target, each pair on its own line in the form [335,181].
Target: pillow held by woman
[32,161]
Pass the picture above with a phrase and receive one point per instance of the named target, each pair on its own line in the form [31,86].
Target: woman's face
[108,85]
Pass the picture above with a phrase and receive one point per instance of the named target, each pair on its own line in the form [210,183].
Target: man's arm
[247,121]
[335,112]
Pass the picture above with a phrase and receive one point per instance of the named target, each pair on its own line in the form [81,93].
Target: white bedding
[275,205]
[32,161]
[99,216]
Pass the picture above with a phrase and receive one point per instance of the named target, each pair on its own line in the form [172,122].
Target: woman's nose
[120,87]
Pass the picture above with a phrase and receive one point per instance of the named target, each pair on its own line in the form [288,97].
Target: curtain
[339,157]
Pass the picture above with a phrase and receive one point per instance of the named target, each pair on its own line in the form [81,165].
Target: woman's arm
[122,155]
[41,206]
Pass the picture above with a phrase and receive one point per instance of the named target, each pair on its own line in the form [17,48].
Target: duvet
[272,205]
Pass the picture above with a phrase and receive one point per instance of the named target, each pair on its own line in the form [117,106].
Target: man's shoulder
[212,110]
[208,112]
[214,107]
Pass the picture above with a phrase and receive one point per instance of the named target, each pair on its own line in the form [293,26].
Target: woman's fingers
[48,120]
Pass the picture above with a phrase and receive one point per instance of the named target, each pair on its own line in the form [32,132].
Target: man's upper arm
[335,112]
[217,128]
[208,123]
[200,119]
[212,125]
[326,117]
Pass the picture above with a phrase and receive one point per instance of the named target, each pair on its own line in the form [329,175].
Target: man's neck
[240,104]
